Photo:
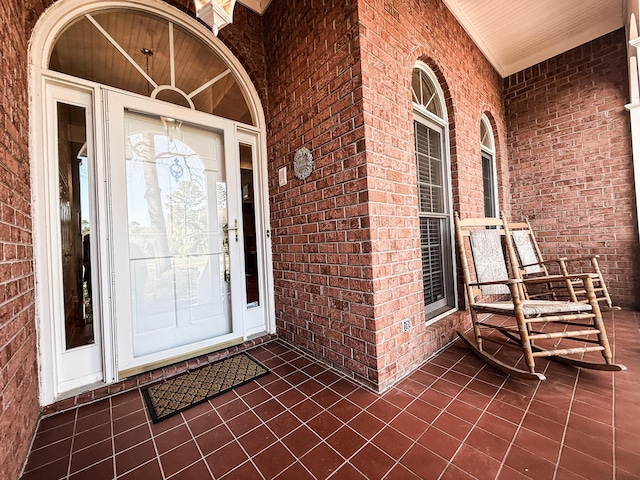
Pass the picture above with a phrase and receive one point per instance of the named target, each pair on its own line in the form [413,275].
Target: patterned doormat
[189,389]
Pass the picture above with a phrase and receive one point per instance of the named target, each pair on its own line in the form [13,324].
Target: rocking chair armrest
[510,281]
[547,261]
[577,259]
[569,259]
[559,278]
[534,264]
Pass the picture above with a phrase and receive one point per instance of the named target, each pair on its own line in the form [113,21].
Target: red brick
[572,206]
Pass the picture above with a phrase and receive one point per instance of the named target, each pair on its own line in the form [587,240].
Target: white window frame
[490,151]
[424,116]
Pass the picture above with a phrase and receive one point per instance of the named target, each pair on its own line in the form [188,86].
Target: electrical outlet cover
[282,176]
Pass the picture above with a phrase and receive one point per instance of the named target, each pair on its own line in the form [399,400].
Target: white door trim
[55,381]
[54,20]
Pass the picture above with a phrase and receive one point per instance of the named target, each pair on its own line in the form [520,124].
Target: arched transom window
[425,93]
[141,53]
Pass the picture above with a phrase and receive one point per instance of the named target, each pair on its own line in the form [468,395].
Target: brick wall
[334,77]
[244,37]
[394,35]
[18,370]
[570,159]
[346,241]
[320,231]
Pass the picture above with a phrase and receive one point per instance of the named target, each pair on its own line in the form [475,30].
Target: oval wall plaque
[302,163]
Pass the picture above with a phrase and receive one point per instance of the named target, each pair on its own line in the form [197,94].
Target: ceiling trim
[516,35]
[454,7]
[258,6]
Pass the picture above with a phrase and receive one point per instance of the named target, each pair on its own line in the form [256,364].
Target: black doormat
[189,389]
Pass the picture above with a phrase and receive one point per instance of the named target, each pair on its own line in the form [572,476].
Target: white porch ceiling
[516,34]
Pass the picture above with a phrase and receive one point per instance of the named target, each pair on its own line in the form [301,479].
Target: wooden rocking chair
[534,327]
[532,264]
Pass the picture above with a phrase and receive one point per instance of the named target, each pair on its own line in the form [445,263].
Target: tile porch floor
[453,418]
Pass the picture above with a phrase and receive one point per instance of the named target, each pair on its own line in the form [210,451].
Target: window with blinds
[432,265]
[434,197]
[433,218]
[489,184]
[429,158]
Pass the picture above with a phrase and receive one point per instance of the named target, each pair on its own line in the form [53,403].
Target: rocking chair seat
[532,308]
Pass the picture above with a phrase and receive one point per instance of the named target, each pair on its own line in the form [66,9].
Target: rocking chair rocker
[534,327]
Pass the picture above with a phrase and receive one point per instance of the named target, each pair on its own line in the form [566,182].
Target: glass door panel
[178,248]
[176,241]
[252,277]
[75,224]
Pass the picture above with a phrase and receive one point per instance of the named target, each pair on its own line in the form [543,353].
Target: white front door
[176,250]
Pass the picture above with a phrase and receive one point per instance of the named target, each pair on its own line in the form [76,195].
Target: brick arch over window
[444,85]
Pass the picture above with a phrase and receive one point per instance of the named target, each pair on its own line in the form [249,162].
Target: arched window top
[486,135]
[426,91]
[140,52]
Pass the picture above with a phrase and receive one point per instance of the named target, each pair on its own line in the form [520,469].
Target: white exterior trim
[492,152]
[634,106]
[258,6]
[425,116]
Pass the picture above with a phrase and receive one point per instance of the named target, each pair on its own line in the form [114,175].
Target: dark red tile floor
[453,418]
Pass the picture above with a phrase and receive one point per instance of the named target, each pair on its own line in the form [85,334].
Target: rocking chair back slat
[524,246]
[489,261]
[531,262]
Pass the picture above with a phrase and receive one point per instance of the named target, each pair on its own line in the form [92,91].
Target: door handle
[235,227]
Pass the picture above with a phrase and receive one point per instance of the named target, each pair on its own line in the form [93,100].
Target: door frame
[47,243]
[43,38]
[45,250]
